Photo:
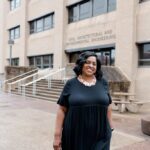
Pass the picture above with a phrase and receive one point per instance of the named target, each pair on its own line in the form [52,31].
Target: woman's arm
[58,127]
[109,115]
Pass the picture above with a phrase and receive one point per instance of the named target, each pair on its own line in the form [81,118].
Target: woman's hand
[58,127]
[57,143]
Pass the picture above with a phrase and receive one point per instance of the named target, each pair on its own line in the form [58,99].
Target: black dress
[86,125]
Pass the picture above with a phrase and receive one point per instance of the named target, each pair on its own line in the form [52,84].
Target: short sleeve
[63,99]
[106,86]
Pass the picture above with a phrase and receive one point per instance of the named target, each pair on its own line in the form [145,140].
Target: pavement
[28,124]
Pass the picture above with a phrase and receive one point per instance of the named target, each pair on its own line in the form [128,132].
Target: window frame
[141,59]
[12,33]
[142,1]
[14,61]
[42,64]
[72,18]
[33,24]
[14,4]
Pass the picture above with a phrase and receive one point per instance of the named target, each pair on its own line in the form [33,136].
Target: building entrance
[106,56]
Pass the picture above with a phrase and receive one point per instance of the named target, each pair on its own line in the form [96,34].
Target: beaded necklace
[86,83]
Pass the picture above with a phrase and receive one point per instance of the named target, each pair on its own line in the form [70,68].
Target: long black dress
[86,125]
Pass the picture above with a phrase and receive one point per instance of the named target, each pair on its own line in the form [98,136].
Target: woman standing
[83,119]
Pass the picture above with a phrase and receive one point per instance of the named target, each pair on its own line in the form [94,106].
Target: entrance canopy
[71,50]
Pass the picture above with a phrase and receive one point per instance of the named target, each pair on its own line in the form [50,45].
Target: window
[74,14]
[14,4]
[48,22]
[99,7]
[41,24]
[31,61]
[140,1]
[85,10]
[144,54]
[111,5]
[32,27]
[107,56]
[43,61]
[14,33]
[14,61]
[89,8]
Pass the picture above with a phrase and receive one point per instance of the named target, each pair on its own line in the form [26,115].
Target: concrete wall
[99,30]
[3,32]
[126,50]
[125,27]
[143,35]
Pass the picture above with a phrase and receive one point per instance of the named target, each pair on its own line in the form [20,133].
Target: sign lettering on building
[91,37]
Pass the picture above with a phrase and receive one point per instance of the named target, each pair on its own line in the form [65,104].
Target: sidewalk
[28,124]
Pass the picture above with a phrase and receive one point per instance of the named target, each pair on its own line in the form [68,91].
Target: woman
[83,119]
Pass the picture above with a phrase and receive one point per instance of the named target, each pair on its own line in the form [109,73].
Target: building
[49,33]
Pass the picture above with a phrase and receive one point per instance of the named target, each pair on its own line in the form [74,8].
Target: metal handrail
[45,77]
[19,81]
[20,75]
[25,78]
[50,74]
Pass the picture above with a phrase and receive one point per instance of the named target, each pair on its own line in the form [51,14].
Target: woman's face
[89,67]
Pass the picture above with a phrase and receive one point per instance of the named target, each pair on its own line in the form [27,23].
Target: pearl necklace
[86,83]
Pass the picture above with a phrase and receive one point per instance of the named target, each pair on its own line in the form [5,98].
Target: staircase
[48,85]
[42,90]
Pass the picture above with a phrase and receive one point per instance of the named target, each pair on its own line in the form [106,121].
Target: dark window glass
[74,13]
[144,54]
[45,61]
[140,1]
[42,24]
[89,8]
[112,56]
[47,22]
[17,3]
[107,56]
[14,61]
[85,10]
[17,33]
[32,27]
[31,61]
[14,33]
[38,60]
[14,4]
[99,7]
[111,5]
[39,25]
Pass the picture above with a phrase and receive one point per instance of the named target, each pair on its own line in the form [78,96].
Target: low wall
[13,71]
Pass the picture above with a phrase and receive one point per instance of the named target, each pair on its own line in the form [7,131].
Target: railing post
[24,91]
[64,73]
[34,88]
[49,82]
[0,85]
[19,87]
[34,77]
[9,88]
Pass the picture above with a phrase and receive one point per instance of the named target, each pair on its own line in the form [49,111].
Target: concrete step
[53,81]
[41,91]
[46,94]
[46,83]
[38,94]
[46,86]
[39,97]
[44,89]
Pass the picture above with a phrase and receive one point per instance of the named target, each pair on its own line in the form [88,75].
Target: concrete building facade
[51,33]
